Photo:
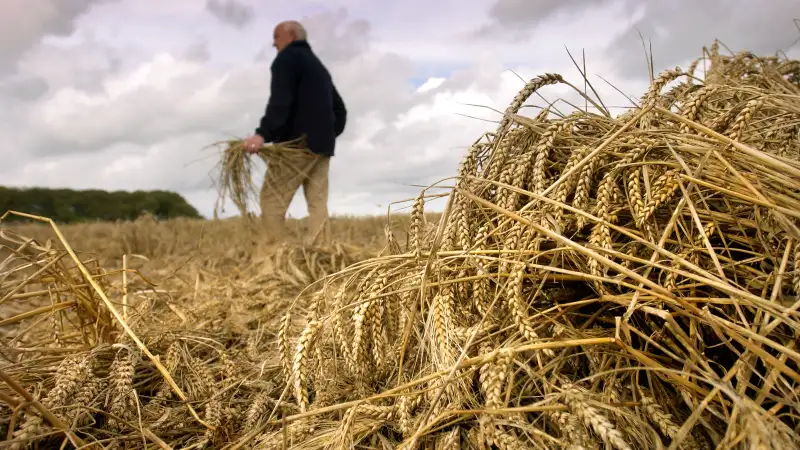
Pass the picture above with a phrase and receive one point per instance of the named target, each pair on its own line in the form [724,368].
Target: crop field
[595,281]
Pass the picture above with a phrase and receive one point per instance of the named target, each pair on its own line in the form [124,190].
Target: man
[303,103]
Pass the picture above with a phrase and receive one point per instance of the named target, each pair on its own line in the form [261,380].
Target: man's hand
[253,144]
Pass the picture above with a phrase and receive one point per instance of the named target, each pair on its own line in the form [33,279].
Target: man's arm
[282,87]
[339,112]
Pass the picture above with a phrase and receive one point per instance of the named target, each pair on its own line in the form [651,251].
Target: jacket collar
[300,43]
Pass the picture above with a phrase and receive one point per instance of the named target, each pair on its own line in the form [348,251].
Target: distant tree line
[71,206]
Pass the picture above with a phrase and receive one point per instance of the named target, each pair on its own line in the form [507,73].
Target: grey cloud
[515,19]
[264,54]
[179,164]
[376,85]
[143,116]
[26,93]
[332,35]
[527,13]
[23,89]
[398,158]
[23,23]
[678,30]
[13,127]
[198,51]
[231,12]
[335,36]
[82,67]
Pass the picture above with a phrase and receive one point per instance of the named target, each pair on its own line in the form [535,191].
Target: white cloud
[131,99]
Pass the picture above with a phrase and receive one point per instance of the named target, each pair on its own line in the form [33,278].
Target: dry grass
[596,282]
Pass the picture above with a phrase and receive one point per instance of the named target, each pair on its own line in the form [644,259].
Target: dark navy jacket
[303,101]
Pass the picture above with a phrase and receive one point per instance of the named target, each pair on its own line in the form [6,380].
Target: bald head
[287,32]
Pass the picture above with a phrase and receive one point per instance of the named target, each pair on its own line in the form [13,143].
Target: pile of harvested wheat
[626,282]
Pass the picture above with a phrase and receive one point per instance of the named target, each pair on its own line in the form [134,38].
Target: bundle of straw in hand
[235,170]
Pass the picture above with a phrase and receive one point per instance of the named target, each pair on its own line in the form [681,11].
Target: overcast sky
[129,94]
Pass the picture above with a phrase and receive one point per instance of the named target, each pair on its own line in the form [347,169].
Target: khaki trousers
[282,180]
